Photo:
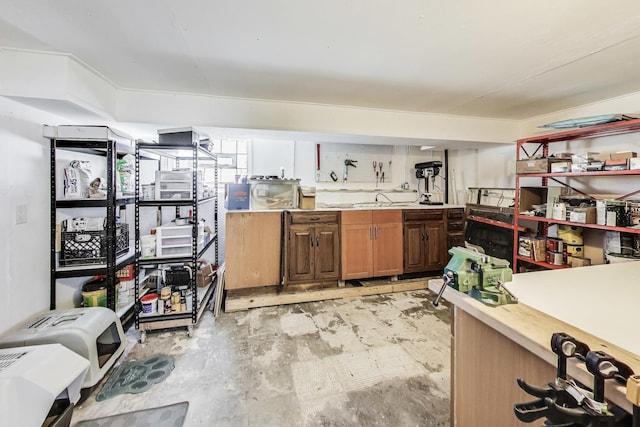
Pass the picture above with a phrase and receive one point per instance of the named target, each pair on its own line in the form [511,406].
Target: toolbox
[178,136]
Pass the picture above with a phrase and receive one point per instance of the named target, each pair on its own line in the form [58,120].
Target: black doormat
[136,376]
[163,416]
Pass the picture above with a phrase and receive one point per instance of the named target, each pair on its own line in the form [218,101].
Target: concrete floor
[373,361]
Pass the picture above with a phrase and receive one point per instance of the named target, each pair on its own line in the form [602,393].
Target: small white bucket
[149,303]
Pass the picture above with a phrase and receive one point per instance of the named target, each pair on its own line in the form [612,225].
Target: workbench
[492,346]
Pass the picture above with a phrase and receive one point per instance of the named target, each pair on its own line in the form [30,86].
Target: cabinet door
[357,251]
[414,247]
[300,253]
[436,243]
[327,252]
[252,239]
[387,249]
[454,239]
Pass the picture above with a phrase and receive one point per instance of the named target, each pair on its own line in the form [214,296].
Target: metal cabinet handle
[311,239]
[314,218]
[317,241]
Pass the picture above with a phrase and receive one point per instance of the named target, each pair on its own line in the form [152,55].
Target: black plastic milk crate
[90,247]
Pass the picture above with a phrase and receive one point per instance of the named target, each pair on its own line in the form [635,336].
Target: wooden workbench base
[269,296]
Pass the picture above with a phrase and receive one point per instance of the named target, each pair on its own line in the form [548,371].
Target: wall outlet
[21,214]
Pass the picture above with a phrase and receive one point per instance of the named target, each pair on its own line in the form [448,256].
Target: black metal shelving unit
[194,156]
[110,146]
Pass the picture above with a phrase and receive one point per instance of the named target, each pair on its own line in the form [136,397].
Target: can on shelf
[555,244]
[175,302]
[555,258]
[574,250]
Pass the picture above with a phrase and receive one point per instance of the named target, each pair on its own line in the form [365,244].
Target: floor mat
[136,376]
[164,416]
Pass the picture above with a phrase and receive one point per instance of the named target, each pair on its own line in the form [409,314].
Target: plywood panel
[252,249]
[486,365]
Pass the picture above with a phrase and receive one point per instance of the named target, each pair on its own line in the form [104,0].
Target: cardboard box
[583,215]
[577,261]
[622,155]
[530,196]
[615,164]
[205,275]
[236,196]
[532,247]
[307,197]
[538,165]
[560,167]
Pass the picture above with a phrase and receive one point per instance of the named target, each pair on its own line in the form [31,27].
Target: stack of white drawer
[175,240]
[176,185]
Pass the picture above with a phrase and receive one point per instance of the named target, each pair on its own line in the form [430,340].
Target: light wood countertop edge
[532,330]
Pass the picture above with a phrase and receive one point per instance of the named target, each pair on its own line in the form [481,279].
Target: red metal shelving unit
[539,146]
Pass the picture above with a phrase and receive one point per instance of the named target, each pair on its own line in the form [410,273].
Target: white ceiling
[490,58]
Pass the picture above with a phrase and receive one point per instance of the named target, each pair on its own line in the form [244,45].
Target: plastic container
[570,234]
[94,293]
[148,246]
[149,303]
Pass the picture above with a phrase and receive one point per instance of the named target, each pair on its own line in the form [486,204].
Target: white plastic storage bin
[175,240]
[274,193]
[173,185]
[176,185]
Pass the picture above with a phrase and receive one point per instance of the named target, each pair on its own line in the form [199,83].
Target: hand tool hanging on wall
[347,163]
[375,170]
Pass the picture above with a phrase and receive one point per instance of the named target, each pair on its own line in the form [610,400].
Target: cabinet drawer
[387,216]
[356,217]
[423,215]
[455,213]
[314,217]
[455,226]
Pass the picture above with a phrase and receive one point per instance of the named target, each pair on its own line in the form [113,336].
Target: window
[232,158]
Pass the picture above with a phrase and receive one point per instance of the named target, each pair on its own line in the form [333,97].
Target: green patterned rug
[164,416]
[136,376]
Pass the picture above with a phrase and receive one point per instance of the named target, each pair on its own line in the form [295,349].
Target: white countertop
[600,299]
[363,206]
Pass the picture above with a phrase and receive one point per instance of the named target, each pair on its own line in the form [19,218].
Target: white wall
[24,180]
[268,156]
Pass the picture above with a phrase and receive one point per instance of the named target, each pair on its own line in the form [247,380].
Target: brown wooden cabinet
[371,243]
[425,240]
[312,247]
[455,229]
[252,249]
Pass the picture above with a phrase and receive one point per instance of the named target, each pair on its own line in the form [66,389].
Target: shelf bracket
[564,184]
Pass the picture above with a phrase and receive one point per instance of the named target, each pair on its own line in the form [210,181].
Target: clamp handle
[565,346]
